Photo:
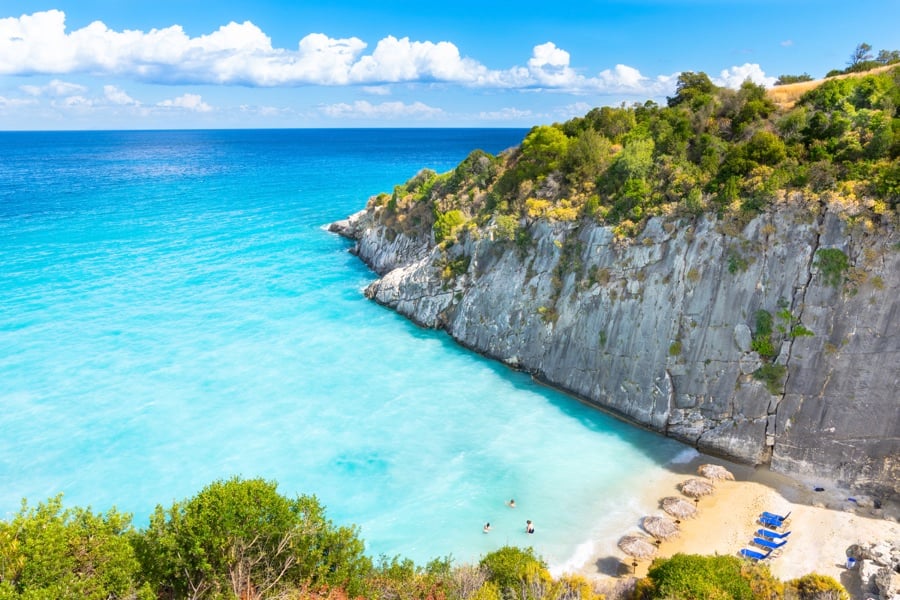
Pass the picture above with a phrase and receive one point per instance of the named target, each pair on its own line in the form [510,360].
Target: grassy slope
[786,96]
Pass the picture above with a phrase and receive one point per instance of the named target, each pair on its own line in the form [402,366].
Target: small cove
[172,312]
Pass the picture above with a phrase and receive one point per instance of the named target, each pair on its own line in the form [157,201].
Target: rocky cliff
[771,341]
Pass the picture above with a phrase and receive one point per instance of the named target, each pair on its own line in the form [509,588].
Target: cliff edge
[664,329]
[718,270]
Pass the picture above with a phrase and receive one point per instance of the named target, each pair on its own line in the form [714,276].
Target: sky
[208,64]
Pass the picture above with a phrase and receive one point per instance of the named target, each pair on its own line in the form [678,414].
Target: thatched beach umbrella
[695,488]
[662,528]
[638,547]
[678,507]
[715,472]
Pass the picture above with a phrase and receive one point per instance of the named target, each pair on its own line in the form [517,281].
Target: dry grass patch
[786,96]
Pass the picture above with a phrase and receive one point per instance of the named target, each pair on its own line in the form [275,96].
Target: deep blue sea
[172,312]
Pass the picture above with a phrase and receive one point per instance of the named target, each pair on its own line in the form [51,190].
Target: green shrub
[763,346]
[238,535]
[832,263]
[692,577]
[736,262]
[507,226]
[801,331]
[816,587]
[763,320]
[68,554]
[772,375]
[509,566]
[675,348]
[455,268]
[762,341]
[446,224]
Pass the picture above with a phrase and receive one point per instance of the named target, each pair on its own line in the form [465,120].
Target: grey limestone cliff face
[660,329]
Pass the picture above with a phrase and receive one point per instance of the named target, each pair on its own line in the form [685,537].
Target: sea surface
[172,312]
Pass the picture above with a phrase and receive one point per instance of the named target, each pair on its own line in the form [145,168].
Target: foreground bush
[50,552]
[815,587]
[693,577]
[240,538]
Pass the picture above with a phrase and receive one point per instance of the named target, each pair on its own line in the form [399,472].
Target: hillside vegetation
[709,149]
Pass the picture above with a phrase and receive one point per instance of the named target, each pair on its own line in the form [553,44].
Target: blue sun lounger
[772,535]
[769,543]
[769,522]
[754,555]
[775,517]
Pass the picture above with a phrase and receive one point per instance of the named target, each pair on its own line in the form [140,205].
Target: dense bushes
[242,539]
[692,577]
[815,587]
[732,152]
[51,552]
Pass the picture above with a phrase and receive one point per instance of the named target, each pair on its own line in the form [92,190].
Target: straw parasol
[715,472]
[695,488]
[678,507]
[662,528]
[638,547]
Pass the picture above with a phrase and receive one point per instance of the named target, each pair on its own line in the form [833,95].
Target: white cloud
[15,102]
[505,114]
[377,90]
[361,109]
[549,66]
[787,43]
[735,76]
[395,60]
[242,54]
[192,102]
[264,111]
[77,102]
[117,96]
[55,88]
[578,109]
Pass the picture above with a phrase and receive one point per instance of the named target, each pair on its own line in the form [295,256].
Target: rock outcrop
[668,329]
[878,567]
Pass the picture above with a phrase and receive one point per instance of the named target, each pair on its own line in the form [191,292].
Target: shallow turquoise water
[172,312]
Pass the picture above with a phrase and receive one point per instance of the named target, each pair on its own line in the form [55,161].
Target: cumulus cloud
[361,109]
[549,66]
[116,96]
[735,76]
[242,54]
[192,102]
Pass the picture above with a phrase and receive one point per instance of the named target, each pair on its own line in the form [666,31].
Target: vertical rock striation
[664,329]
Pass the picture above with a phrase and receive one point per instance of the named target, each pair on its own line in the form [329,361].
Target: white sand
[823,524]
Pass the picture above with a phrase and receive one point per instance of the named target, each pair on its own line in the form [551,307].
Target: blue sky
[138,64]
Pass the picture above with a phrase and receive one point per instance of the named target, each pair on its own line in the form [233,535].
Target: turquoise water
[172,311]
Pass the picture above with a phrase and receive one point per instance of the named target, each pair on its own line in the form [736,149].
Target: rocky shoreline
[662,329]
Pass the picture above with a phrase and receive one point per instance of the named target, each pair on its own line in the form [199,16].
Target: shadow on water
[589,415]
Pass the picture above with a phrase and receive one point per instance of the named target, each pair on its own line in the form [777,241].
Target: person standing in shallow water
[511,503]
[487,527]
[529,526]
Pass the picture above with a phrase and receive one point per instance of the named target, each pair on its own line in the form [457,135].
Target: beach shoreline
[825,520]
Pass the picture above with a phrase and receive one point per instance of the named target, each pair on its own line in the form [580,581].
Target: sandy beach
[823,523]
